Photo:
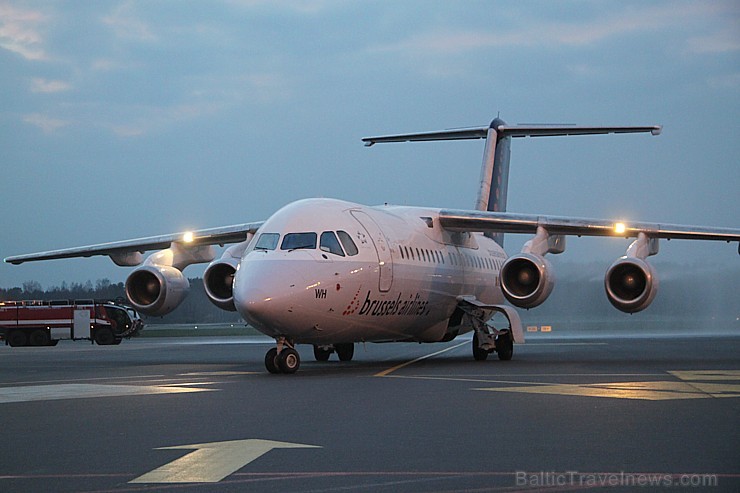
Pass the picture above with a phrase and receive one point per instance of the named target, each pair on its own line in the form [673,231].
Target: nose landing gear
[283,358]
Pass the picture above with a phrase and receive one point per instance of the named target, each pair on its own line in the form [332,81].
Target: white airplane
[332,273]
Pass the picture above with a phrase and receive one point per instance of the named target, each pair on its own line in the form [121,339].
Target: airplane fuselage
[324,271]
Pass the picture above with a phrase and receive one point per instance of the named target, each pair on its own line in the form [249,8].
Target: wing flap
[213,236]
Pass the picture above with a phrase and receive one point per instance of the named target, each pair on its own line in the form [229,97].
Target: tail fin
[494,178]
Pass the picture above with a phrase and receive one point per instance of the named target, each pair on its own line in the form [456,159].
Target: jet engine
[159,286]
[527,280]
[631,284]
[156,289]
[218,279]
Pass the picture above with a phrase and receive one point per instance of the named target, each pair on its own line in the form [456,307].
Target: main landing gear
[283,358]
[345,351]
[487,339]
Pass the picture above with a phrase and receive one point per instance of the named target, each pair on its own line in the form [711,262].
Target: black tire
[17,338]
[505,346]
[321,354]
[345,351]
[289,360]
[271,361]
[478,353]
[39,337]
[104,336]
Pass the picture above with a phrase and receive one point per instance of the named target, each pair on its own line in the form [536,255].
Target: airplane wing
[507,222]
[213,236]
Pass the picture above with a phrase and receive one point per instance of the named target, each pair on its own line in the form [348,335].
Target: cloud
[44,122]
[725,40]
[49,86]
[731,81]
[126,25]
[19,32]
[587,32]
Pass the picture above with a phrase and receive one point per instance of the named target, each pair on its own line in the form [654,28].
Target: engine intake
[218,280]
[156,289]
[631,284]
[527,280]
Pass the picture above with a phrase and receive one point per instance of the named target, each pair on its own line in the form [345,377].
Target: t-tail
[494,176]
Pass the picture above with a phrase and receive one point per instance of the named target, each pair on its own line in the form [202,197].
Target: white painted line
[33,393]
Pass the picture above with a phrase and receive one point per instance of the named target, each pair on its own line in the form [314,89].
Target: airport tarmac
[202,414]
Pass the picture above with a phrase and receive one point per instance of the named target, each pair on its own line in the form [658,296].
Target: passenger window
[267,241]
[329,243]
[299,241]
[347,243]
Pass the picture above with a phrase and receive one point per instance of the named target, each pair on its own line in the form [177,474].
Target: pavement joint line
[387,372]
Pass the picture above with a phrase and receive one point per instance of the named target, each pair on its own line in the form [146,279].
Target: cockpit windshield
[297,241]
[267,241]
[329,243]
[336,242]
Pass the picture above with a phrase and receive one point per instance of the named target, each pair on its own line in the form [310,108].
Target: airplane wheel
[345,351]
[504,347]
[288,360]
[39,337]
[271,361]
[321,354]
[478,353]
[17,338]
[104,336]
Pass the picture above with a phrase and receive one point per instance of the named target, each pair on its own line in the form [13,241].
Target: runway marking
[218,373]
[387,372]
[707,375]
[692,387]
[212,462]
[33,393]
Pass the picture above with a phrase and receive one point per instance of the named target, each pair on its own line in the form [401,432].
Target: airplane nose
[254,302]
[264,294]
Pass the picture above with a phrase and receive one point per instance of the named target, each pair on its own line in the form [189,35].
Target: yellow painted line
[387,372]
[212,462]
[653,391]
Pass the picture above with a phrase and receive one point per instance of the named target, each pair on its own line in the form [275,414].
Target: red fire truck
[45,323]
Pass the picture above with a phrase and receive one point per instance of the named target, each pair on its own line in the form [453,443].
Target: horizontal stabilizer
[512,131]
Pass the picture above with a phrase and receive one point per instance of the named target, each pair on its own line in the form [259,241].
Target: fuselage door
[385,263]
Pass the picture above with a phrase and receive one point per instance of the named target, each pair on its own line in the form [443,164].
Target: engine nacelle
[156,289]
[631,284]
[218,280]
[527,280]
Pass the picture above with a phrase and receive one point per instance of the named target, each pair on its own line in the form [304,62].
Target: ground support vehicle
[45,323]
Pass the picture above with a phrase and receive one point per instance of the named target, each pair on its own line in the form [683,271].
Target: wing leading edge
[213,236]
[507,222]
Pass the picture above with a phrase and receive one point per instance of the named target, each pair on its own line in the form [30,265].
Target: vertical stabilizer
[494,175]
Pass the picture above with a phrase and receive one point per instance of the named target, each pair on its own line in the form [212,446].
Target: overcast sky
[122,119]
